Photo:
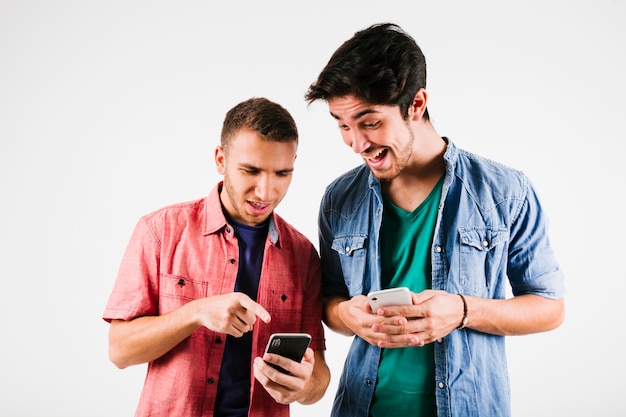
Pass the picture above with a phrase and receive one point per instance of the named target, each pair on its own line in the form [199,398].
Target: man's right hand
[146,338]
[232,313]
[355,316]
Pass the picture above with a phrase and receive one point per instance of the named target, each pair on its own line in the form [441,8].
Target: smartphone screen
[289,345]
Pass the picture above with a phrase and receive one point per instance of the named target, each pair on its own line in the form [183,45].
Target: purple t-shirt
[233,390]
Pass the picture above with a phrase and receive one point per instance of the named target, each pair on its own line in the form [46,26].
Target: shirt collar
[215,220]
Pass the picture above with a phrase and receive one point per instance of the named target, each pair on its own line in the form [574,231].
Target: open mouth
[375,159]
[257,208]
[379,155]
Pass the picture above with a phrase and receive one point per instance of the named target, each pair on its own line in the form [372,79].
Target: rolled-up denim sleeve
[533,267]
[333,283]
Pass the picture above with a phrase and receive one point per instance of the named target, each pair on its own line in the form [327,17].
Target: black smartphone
[289,345]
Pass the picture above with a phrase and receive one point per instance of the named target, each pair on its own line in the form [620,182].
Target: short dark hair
[381,64]
[270,120]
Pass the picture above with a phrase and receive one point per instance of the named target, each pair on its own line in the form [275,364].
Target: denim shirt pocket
[352,253]
[481,255]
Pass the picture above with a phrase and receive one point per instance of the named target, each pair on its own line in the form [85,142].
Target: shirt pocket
[176,291]
[352,254]
[285,307]
[481,256]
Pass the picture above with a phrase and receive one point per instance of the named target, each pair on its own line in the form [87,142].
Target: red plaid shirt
[188,251]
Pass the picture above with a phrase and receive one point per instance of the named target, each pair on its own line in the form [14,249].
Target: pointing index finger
[256,309]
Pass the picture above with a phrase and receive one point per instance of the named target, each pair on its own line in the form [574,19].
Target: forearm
[147,338]
[332,317]
[520,315]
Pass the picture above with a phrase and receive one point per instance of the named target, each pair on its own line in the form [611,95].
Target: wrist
[343,315]
[464,320]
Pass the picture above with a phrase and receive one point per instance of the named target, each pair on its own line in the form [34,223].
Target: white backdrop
[110,109]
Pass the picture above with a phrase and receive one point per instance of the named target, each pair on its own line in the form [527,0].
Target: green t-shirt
[406,376]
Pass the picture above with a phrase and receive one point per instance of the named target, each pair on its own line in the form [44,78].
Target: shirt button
[368,382]
[347,249]
[218,341]
[439,340]
[232,261]
[210,380]
[227,229]
[485,243]
[441,385]
[438,249]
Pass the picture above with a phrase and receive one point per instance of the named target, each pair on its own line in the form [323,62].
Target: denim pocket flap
[347,245]
[483,238]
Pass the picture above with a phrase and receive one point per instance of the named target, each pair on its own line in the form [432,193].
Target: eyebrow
[256,168]
[358,115]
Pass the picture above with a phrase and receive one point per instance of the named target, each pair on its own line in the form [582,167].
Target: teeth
[380,151]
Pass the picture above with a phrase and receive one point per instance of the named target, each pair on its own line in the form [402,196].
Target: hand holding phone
[289,345]
[389,297]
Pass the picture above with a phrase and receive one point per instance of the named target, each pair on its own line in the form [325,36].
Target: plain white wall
[110,109]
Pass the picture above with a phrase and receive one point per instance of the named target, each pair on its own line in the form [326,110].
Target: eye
[371,125]
[343,127]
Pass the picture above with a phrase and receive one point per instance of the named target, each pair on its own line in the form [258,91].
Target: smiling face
[257,174]
[376,132]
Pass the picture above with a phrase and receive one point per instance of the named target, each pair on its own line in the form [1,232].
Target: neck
[424,169]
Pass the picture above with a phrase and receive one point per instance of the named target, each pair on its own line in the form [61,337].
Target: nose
[356,140]
[263,189]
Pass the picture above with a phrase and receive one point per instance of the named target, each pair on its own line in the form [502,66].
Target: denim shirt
[490,233]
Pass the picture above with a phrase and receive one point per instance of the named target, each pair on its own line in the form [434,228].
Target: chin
[385,176]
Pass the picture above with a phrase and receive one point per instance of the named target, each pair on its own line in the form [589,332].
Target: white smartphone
[389,297]
[289,345]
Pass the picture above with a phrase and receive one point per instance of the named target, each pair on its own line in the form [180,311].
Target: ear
[220,160]
[418,107]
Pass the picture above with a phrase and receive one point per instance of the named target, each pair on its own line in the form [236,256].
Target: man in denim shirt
[457,229]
